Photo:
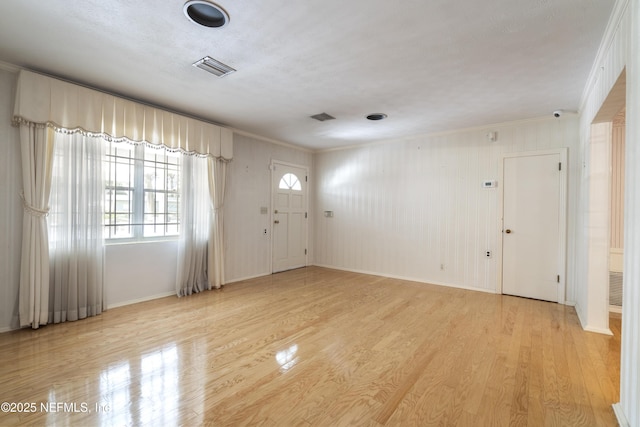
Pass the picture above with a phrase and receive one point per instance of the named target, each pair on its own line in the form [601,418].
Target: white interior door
[289,189]
[533,215]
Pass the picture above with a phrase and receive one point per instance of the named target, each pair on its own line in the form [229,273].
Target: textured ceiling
[431,66]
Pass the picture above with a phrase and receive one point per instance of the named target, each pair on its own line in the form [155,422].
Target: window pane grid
[290,182]
[142,192]
[161,181]
[119,192]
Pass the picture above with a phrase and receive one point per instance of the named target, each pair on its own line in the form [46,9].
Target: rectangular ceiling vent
[322,117]
[214,67]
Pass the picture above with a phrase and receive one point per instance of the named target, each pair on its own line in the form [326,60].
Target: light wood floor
[317,347]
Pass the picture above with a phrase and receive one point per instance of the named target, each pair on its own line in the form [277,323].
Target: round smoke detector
[206,13]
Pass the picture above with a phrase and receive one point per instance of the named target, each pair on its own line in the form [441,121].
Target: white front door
[289,189]
[533,215]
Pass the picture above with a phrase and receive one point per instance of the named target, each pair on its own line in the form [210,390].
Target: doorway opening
[616,245]
[606,205]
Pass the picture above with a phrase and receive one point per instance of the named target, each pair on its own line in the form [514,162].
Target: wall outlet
[488,254]
[265,232]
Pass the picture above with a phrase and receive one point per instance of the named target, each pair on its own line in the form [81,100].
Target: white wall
[248,250]
[620,48]
[137,272]
[10,205]
[414,208]
[630,366]
[617,193]
[617,183]
[598,228]
[591,307]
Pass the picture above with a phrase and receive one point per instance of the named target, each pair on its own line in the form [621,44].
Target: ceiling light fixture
[206,13]
[213,66]
[376,116]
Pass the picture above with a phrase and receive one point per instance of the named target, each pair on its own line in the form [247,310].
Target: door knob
[276,222]
[508,231]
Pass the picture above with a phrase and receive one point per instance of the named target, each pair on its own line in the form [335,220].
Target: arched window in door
[290,182]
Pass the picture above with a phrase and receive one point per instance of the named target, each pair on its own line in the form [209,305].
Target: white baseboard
[409,279]
[115,305]
[578,311]
[615,309]
[622,419]
[242,279]
[604,331]
[16,322]
[135,301]
[9,329]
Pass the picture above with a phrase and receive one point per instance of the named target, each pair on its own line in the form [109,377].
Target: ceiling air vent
[214,67]
[322,117]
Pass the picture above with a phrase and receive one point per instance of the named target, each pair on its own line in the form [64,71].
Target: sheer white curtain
[42,103]
[217,184]
[36,146]
[194,226]
[76,244]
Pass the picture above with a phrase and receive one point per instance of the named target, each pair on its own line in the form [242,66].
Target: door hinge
[305,214]
[560,166]
[306,178]
[558,278]
[305,251]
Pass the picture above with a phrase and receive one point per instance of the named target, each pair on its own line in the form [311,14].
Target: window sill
[117,242]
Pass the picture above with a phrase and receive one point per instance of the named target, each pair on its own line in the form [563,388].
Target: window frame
[295,186]
[137,198]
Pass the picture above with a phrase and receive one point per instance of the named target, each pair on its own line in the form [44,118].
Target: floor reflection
[156,386]
[159,389]
[287,358]
[115,383]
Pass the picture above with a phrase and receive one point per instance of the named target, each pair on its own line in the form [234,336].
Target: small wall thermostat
[489,184]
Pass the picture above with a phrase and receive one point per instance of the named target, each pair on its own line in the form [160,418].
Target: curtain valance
[48,101]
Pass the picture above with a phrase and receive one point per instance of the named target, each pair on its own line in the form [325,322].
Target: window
[141,192]
[290,182]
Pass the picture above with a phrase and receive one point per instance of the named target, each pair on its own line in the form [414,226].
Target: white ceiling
[431,65]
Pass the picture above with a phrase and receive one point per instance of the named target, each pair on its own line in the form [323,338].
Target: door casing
[562,249]
[274,167]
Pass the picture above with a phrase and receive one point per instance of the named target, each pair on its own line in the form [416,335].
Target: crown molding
[272,141]
[484,128]
[9,67]
[618,13]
